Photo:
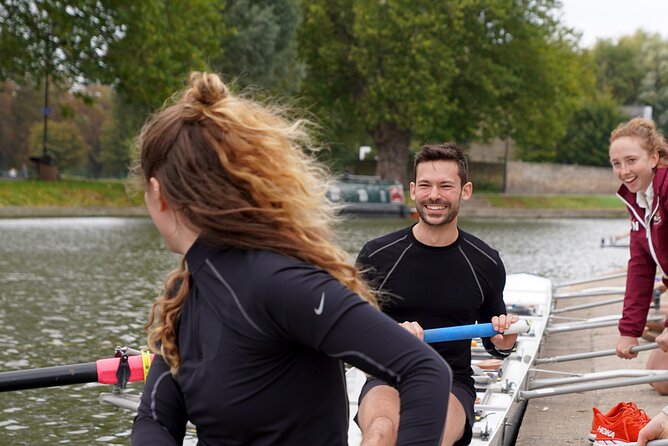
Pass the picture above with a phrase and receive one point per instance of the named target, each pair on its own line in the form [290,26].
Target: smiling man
[429,275]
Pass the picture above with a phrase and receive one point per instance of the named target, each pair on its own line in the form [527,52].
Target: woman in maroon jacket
[639,158]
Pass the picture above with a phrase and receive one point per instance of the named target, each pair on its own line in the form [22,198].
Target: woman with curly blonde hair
[639,156]
[252,329]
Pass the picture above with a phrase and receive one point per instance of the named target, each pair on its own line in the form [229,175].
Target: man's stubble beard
[453,211]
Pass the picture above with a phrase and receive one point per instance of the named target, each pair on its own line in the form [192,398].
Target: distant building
[637,110]
[492,152]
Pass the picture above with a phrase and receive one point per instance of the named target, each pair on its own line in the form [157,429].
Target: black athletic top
[262,338]
[437,287]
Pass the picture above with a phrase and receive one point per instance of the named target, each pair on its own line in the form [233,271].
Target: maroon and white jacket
[649,249]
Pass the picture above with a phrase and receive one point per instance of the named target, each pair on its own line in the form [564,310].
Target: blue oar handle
[472,331]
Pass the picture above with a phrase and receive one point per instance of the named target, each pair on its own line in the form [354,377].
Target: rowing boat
[498,409]
[503,392]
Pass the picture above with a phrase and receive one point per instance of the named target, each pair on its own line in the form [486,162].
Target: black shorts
[465,394]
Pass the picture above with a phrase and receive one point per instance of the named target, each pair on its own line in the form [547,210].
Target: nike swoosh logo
[318,310]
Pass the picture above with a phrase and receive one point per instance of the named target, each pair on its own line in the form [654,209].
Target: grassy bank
[70,197]
[552,201]
[67,193]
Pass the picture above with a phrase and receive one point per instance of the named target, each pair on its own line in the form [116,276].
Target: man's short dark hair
[447,151]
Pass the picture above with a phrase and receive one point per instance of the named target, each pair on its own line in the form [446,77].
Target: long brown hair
[244,175]
[645,130]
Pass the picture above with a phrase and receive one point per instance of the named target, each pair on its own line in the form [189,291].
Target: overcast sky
[615,18]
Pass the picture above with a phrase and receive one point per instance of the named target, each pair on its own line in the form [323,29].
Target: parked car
[369,195]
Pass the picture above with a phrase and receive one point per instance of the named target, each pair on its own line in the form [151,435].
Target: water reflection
[560,249]
[73,288]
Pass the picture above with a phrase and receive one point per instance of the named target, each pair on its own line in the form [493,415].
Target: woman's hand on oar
[656,429]
[414,328]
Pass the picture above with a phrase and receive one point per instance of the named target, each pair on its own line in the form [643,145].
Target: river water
[73,288]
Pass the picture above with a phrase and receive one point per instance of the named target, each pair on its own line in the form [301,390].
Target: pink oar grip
[106,369]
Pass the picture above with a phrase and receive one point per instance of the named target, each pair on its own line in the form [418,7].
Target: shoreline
[466,211]
[54,211]
[493,212]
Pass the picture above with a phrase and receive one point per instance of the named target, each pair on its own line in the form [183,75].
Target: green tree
[67,145]
[654,86]
[619,67]
[115,157]
[64,39]
[144,49]
[90,108]
[61,42]
[117,138]
[439,70]
[19,109]
[261,47]
[526,78]
[588,133]
[388,65]
[162,42]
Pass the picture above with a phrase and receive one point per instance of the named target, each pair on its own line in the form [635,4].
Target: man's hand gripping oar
[505,332]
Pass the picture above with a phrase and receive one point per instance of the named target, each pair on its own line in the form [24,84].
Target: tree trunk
[392,143]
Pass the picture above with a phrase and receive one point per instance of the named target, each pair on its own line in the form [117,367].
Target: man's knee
[381,431]
[661,387]
[658,360]
[455,423]
[378,416]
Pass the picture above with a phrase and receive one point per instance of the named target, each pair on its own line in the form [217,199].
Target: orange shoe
[620,426]
[612,415]
[604,418]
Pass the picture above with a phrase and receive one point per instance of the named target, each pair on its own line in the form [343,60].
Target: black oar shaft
[48,377]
